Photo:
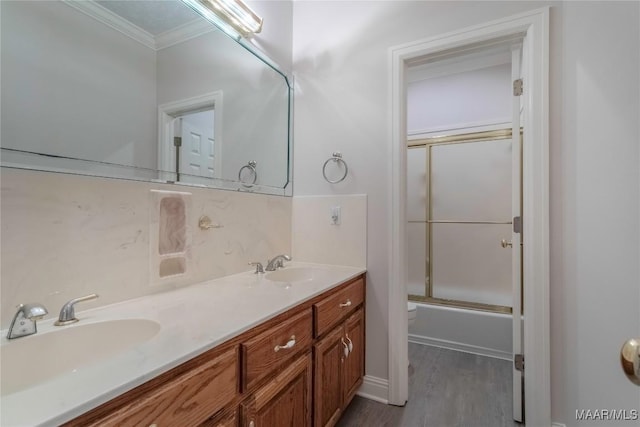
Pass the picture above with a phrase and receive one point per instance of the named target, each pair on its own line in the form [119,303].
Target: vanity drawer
[331,310]
[267,351]
[189,399]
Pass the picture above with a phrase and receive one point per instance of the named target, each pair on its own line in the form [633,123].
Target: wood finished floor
[446,389]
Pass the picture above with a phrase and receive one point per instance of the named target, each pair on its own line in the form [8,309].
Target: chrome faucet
[277,262]
[24,322]
[68,313]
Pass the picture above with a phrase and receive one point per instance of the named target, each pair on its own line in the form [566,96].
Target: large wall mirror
[145,90]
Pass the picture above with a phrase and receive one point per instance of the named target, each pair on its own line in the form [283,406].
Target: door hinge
[517,87]
[517,224]
[177,141]
[518,362]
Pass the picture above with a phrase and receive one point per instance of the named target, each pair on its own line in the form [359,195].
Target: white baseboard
[453,345]
[374,388]
[558,425]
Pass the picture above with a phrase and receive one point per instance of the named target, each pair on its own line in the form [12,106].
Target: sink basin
[297,274]
[31,360]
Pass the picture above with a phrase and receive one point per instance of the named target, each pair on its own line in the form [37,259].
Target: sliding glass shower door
[459,211]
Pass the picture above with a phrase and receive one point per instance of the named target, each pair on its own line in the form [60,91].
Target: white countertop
[192,320]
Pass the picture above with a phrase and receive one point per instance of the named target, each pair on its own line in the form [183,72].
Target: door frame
[534,26]
[166,114]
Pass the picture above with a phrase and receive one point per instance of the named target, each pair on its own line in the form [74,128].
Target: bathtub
[471,331]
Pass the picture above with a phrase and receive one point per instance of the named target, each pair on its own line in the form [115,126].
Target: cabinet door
[354,363]
[329,360]
[284,401]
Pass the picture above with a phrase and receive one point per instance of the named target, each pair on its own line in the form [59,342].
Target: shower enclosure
[459,213]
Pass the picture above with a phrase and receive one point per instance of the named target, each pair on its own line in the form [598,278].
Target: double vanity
[248,349]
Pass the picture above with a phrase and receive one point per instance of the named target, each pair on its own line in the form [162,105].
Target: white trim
[459,346]
[535,25]
[374,388]
[182,33]
[110,19]
[168,111]
[458,65]
[558,425]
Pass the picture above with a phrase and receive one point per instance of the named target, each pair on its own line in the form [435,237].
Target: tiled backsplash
[65,236]
[317,239]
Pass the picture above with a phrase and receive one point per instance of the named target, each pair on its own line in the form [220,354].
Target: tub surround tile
[65,236]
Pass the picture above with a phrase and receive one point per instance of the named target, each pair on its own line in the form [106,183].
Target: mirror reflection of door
[197,151]
[197,154]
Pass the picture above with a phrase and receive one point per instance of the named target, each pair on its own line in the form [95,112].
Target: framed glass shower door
[459,210]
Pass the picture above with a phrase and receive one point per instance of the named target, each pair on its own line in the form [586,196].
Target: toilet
[411,309]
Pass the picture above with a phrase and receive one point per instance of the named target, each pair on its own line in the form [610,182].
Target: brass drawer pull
[346,304]
[289,344]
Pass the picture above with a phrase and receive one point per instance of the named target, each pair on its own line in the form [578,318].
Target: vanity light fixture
[233,17]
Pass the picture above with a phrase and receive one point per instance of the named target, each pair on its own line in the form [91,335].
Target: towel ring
[252,169]
[336,158]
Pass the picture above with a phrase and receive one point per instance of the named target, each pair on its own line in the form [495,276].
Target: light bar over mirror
[234,17]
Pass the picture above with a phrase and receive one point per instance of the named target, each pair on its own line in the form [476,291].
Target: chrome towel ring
[252,170]
[336,158]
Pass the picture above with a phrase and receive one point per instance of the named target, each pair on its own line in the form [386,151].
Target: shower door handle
[505,244]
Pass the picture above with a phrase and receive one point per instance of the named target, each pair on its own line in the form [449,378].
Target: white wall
[275,39]
[341,104]
[471,98]
[595,214]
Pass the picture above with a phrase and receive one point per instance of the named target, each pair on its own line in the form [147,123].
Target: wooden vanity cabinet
[227,417]
[186,396]
[339,354]
[298,369]
[284,401]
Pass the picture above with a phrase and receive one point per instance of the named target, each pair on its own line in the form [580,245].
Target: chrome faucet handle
[68,313]
[259,267]
[24,321]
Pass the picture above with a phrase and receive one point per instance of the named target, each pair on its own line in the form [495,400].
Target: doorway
[532,28]
[463,206]
[190,145]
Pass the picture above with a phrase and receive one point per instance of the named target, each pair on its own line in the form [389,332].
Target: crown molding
[184,32]
[104,15]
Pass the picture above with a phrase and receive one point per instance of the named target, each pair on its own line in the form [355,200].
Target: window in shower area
[459,213]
